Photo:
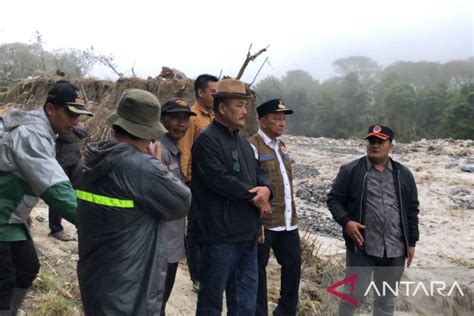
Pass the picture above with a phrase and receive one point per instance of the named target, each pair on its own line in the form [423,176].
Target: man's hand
[354,231]
[154,150]
[261,197]
[29,221]
[411,254]
[265,209]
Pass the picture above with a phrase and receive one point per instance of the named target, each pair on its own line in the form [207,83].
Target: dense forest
[417,99]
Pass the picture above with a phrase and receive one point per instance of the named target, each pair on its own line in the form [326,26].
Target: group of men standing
[171,161]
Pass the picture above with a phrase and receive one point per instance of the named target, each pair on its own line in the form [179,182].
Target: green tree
[458,117]
[269,88]
[428,111]
[399,104]
[365,68]
[20,60]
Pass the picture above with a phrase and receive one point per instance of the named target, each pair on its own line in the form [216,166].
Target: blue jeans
[231,266]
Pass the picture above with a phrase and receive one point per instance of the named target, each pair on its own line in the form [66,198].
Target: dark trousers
[53,217]
[192,258]
[385,269]
[191,244]
[231,267]
[19,265]
[286,247]
[169,283]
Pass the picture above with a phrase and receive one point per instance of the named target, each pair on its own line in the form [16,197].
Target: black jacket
[124,198]
[224,169]
[68,147]
[347,198]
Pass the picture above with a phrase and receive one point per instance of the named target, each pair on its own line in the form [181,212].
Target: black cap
[272,106]
[381,132]
[65,93]
[176,105]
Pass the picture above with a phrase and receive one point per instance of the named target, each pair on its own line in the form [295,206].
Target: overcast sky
[207,36]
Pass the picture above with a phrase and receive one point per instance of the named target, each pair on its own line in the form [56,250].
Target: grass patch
[52,296]
[316,274]
[54,304]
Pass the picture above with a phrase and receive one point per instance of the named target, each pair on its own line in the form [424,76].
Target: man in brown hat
[374,199]
[280,232]
[230,192]
[124,197]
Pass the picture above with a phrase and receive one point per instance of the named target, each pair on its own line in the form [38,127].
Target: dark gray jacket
[347,198]
[125,196]
[68,147]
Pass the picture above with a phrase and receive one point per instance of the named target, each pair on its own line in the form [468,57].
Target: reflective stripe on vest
[267,157]
[104,200]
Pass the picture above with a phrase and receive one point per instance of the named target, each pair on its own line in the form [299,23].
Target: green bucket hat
[138,112]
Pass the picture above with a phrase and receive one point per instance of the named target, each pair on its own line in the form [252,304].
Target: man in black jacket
[375,200]
[230,193]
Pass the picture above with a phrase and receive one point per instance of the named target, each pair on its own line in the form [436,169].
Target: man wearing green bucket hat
[125,196]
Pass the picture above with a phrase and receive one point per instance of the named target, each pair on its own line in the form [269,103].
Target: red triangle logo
[351,279]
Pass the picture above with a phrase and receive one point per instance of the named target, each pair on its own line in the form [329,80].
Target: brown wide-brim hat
[231,88]
[138,112]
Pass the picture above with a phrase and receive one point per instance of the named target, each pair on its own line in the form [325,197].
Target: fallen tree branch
[54,271]
[133,70]
[84,93]
[258,72]
[249,59]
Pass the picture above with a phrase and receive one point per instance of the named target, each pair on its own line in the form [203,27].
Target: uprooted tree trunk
[251,125]
[248,59]
[103,96]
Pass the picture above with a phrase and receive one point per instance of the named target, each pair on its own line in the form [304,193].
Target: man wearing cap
[29,171]
[175,114]
[125,196]
[280,232]
[374,199]
[230,192]
[204,88]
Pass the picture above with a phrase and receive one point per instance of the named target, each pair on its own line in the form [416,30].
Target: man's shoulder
[135,160]
[32,132]
[349,167]
[209,131]
[399,166]
[253,139]
[168,155]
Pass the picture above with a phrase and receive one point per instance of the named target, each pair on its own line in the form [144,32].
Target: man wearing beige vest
[280,232]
